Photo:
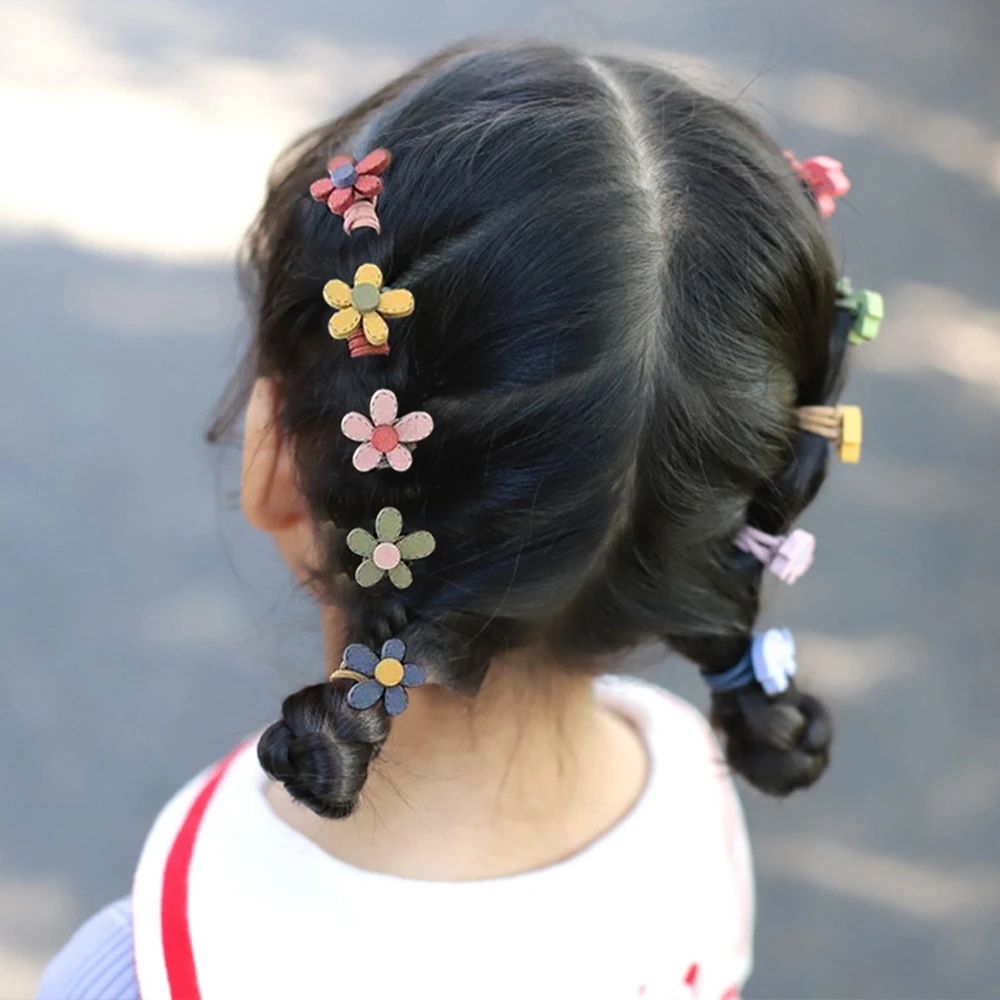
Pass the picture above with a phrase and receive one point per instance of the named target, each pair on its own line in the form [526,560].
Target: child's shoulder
[97,961]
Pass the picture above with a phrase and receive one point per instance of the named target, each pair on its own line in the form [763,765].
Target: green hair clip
[867,308]
[388,550]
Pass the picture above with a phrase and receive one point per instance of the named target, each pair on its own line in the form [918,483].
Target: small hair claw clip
[386,442]
[361,311]
[865,306]
[351,189]
[386,676]
[788,557]
[770,661]
[388,550]
[825,178]
[840,424]
[773,656]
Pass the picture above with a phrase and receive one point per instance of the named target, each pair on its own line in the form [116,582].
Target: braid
[782,742]
[778,743]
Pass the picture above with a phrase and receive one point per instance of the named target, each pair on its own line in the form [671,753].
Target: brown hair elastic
[344,672]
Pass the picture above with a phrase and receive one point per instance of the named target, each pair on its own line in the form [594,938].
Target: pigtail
[780,741]
[330,733]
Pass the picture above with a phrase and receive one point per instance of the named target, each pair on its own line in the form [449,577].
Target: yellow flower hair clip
[361,311]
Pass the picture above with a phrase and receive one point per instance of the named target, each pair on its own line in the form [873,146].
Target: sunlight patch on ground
[931,328]
[35,917]
[19,973]
[846,106]
[108,154]
[921,891]
[950,141]
[843,669]
[166,157]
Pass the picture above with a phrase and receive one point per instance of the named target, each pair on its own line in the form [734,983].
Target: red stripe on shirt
[178,952]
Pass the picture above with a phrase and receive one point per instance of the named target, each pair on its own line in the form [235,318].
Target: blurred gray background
[144,629]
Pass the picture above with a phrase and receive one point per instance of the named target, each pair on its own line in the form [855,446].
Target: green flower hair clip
[389,550]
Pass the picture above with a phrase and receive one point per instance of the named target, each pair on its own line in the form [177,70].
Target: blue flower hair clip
[770,661]
[385,677]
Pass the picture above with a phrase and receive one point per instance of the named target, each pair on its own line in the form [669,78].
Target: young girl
[587,342]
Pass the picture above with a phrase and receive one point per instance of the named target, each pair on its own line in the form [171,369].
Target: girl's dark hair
[622,294]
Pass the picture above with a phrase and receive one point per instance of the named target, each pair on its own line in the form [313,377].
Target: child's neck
[528,774]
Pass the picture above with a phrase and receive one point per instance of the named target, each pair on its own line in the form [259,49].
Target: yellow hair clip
[840,424]
[361,311]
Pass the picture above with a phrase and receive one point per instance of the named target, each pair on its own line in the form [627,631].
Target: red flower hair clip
[825,177]
[351,189]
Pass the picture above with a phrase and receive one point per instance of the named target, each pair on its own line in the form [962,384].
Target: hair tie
[840,424]
[770,661]
[788,557]
[867,308]
[351,189]
[386,676]
[824,177]
[361,215]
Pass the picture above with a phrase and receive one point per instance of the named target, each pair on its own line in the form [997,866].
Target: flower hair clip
[386,676]
[867,308]
[825,179]
[788,557]
[770,661]
[385,441]
[840,424]
[361,311]
[388,551]
[351,189]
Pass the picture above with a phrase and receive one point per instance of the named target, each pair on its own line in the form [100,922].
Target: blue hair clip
[770,661]
[383,677]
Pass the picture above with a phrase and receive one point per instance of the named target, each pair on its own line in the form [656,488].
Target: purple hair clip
[788,557]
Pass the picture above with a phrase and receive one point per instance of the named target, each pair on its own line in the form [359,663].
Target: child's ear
[269,493]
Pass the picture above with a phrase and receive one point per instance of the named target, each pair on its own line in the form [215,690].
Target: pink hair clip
[352,189]
[826,179]
[788,557]
[385,441]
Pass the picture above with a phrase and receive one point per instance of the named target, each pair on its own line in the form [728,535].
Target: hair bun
[320,749]
[778,744]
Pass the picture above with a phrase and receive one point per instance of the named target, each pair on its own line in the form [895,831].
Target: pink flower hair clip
[351,189]
[385,442]
[788,557]
[825,177]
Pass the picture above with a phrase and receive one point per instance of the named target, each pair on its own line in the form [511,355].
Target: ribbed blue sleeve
[97,963]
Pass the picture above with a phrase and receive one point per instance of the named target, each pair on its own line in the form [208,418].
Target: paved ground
[143,629]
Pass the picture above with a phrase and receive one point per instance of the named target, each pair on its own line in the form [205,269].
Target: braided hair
[623,293]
